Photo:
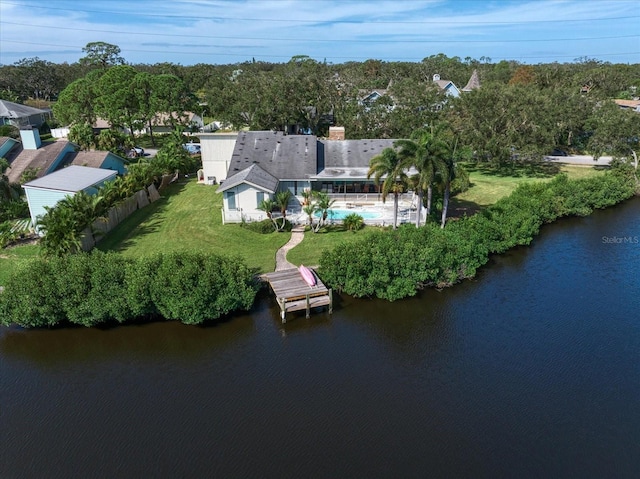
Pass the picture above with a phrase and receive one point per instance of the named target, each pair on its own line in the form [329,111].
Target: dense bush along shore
[396,264]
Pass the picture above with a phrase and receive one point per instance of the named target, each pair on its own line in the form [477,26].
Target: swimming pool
[338,214]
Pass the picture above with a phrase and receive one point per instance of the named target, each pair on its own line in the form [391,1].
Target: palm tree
[309,209]
[282,201]
[447,172]
[389,167]
[267,205]
[323,204]
[425,152]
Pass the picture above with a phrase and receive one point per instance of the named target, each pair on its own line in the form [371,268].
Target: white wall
[246,204]
[216,151]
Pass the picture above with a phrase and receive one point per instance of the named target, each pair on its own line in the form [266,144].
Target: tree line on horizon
[519,112]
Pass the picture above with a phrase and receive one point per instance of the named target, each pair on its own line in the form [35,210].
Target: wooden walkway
[294,294]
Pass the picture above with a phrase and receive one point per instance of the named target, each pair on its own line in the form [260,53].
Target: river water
[530,370]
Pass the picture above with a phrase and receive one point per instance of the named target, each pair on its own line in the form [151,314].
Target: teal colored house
[6,145]
[50,189]
[37,158]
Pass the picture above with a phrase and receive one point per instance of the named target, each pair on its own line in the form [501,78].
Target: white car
[136,151]
[192,148]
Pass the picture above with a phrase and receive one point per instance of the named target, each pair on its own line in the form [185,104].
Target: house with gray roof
[20,116]
[50,189]
[265,162]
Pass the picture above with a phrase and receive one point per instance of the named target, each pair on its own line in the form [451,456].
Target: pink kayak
[307,275]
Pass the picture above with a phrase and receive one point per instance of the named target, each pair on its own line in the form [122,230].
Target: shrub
[395,264]
[194,287]
[353,222]
[93,288]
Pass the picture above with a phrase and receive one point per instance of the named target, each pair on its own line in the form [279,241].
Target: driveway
[579,160]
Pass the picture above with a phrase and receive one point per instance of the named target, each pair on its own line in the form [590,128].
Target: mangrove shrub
[94,288]
[396,264]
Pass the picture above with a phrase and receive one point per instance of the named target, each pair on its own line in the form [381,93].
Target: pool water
[338,214]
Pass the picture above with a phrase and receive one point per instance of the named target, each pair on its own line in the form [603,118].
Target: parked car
[558,152]
[192,148]
[136,152]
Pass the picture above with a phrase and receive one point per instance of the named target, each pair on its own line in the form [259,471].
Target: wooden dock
[294,294]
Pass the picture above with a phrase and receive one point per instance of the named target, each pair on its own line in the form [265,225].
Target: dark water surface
[531,370]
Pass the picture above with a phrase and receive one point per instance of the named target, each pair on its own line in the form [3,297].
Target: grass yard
[188,217]
[488,186]
[308,252]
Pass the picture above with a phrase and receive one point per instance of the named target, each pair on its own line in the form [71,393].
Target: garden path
[297,235]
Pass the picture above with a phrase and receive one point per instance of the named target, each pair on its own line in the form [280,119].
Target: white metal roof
[72,178]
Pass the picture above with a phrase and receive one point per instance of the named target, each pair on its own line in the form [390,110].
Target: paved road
[580,160]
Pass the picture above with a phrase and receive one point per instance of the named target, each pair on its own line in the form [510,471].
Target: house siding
[246,199]
[112,162]
[216,150]
[39,198]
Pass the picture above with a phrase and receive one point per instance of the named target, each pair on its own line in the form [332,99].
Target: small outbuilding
[48,190]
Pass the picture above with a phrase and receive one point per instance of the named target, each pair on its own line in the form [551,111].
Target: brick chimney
[336,132]
[30,138]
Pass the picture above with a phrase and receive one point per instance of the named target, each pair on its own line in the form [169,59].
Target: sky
[188,32]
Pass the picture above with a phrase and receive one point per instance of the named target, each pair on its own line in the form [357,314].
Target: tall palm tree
[323,204]
[447,173]
[282,201]
[389,168]
[423,152]
[267,205]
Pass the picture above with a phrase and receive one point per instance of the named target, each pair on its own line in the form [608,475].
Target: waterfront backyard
[188,217]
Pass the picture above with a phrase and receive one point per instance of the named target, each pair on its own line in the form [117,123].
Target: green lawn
[188,217]
[308,252]
[488,186]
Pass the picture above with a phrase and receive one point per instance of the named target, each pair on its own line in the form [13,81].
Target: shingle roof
[73,178]
[254,175]
[39,160]
[286,157]
[352,153]
[473,83]
[8,109]
[93,159]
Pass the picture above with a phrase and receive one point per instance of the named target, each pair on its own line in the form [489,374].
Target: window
[259,197]
[231,200]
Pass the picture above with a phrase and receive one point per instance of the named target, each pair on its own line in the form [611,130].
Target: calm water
[531,370]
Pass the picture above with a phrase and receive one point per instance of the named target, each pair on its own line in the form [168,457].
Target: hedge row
[396,264]
[93,288]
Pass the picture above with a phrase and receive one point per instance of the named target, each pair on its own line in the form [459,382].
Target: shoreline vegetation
[125,284]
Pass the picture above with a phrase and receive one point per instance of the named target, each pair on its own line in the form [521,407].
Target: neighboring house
[165,123]
[20,116]
[633,105]
[216,150]
[447,86]
[97,159]
[6,145]
[48,190]
[473,83]
[39,159]
[265,162]
[36,157]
